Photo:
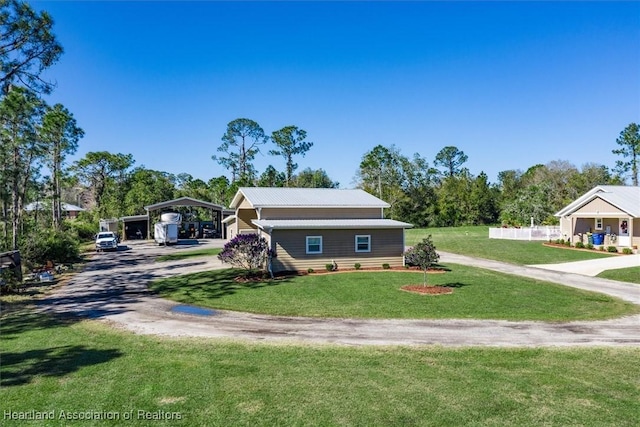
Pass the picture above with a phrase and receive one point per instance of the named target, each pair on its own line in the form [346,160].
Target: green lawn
[478,294]
[187,254]
[631,274]
[474,241]
[90,369]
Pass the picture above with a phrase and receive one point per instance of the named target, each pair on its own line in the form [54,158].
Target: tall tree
[20,115]
[101,170]
[381,173]
[451,159]
[272,178]
[629,142]
[591,175]
[241,142]
[290,141]
[483,201]
[314,178]
[60,133]
[222,191]
[146,187]
[27,46]
[379,169]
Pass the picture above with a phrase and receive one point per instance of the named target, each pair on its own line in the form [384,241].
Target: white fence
[529,233]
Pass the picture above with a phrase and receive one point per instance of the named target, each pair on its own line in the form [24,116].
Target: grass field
[474,241]
[190,254]
[89,368]
[478,293]
[631,274]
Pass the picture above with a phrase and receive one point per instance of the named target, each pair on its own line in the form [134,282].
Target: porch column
[571,230]
[630,229]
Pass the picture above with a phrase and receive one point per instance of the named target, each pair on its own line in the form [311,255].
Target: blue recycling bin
[598,239]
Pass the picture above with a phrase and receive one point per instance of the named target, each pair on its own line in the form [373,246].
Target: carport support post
[148,225]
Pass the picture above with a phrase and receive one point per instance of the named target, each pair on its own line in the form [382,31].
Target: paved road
[113,288]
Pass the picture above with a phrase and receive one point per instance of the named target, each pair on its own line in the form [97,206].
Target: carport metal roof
[183,201]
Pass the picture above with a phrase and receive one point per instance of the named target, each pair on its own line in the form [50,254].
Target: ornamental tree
[248,251]
[423,255]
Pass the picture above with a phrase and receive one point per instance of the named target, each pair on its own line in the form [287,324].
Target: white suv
[106,241]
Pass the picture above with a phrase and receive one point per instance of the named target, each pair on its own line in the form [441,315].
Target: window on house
[314,244]
[363,243]
[598,224]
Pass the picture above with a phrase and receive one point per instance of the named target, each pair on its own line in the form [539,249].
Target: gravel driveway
[113,288]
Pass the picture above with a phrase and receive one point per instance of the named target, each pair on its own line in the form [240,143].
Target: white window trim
[596,224]
[307,245]
[368,236]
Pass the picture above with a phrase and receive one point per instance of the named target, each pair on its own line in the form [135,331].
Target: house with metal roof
[70,211]
[312,227]
[609,211]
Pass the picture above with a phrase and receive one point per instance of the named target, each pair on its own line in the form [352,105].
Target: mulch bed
[573,248]
[427,290]
[433,270]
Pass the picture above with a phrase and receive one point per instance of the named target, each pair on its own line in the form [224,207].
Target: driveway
[593,267]
[113,288]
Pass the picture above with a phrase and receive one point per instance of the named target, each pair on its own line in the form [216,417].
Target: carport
[215,210]
[132,224]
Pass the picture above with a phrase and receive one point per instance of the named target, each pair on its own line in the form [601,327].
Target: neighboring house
[611,210]
[71,211]
[312,227]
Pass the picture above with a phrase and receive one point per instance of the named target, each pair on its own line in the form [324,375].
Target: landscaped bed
[477,294]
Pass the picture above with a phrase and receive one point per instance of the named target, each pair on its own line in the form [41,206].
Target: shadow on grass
[212,284]
[454,285]
[23,367]
[22,320]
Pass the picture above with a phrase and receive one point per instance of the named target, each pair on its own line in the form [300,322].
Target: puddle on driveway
[190,309]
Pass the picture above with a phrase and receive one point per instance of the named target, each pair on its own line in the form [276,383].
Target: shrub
[329,267]
[627,251]
[612,249]
[248,251]
[310,270]
[579,245]
[357,266]
[602,249]
[560,241]
[589,246]
[567,243]
[86,231]
[386,266]
[49,245]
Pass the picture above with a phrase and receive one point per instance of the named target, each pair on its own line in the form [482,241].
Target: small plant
[589,246]
[386,266]
[329,267]
[560,241]
[579,245]
[357,265]
[612,249]
[602,249]
[567,243]
[627,251]
[310,270]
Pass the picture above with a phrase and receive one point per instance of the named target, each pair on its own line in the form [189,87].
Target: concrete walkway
[594,267]
[113,288]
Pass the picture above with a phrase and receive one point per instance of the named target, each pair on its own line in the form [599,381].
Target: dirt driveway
[113,288]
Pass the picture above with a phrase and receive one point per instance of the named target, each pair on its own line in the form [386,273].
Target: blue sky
[512,84]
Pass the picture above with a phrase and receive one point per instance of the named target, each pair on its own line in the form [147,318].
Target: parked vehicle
[106,241]
[165,233]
